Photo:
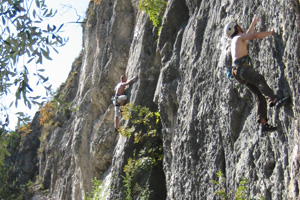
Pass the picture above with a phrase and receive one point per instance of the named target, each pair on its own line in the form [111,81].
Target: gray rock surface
[208,123]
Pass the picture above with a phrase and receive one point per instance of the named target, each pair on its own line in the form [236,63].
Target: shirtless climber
[244,73]
[120,97]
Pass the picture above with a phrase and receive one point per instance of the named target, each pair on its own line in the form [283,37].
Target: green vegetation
[241,192]
[48,121]
[91,17]
[32,187]
[59,104]
[155,10]
[11,189]
[24,43]
[221,184]
[148,152]
[6,184]
[47,114]
[97,191]
[8,187]
[6,138]
[132,170]
[96,1]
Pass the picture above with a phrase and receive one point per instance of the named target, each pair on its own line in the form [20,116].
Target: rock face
[208,123]
[23,160]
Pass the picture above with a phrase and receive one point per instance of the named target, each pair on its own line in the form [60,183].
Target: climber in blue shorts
[120,98]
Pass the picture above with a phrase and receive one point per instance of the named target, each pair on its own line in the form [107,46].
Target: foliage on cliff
[155,10]
[147,154]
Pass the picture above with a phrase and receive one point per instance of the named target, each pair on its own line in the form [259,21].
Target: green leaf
[60,28]
[28,35]
[45,13]
[30,60]
[40,58]
[3,20]
[46,54]
[34,13]
[6,42]
[37,2]
[5,152]
[43,78]
[10,105]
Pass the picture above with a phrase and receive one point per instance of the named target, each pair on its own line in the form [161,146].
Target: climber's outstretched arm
[252,25]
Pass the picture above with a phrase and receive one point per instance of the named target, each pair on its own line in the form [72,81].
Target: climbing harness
[245,61]
[114,101]
[229,74]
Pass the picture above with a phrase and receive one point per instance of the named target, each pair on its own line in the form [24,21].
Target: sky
[57,69]
[69,11]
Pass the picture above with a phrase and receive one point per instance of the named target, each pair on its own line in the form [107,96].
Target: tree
[24,43]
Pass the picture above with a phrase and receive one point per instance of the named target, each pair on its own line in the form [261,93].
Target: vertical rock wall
[208,123]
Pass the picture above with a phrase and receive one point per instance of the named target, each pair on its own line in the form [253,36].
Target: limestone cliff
[208,123]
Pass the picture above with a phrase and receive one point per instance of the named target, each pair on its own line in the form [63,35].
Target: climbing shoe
[280,102]
[267,128]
